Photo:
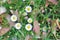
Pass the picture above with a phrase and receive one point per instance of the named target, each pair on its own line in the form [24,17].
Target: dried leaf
[32,2]
[0,19]
[4,30]
[36,28]
[28,37]
[53,25]
[53,1]
[9,1]
[47,3]
[58,24]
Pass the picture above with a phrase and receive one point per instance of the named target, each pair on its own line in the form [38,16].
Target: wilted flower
[18,25]
[28,27]
[2,10]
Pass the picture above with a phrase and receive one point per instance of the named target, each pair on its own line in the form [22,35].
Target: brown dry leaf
[4,30]
[9,21]
[58,24]
[53,25]
[9,1]
[28,37]
[47,3]
[32,2]
[0,19]
[53,1]
[36,28]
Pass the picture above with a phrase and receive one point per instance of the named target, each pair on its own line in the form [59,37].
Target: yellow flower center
[28,9]
[14,18]
[18,25]
[30,20]
[28,27]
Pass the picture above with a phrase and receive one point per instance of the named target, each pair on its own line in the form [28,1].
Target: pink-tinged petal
[4,30]
[36,28]
[53,1]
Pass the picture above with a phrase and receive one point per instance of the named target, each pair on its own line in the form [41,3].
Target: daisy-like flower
[29,20]
[2,10]
[18,25]
[28,9]
[13,18]
[28,27]
[25,14]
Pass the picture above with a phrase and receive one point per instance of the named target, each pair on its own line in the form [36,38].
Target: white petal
[28,9]
[18,25]
[13,18]
[26,27]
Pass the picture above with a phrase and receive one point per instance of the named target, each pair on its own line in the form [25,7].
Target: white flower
[28,27]
[2,10]
[13,18]
[18,25]
[28,9]
[29,20]
[25,14]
